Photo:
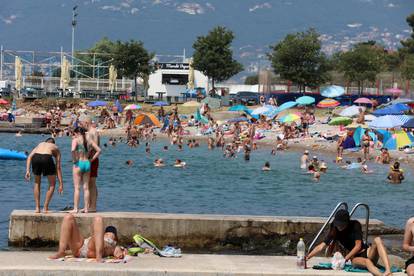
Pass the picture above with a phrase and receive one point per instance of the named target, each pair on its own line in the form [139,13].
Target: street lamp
[74,15]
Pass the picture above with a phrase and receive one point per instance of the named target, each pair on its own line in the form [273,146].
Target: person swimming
[266,166]
[129,163]
[165,148]
[159,162]
[364,169]
[304,160]
[396,175]
[323,168]
[179,164]
[316,175]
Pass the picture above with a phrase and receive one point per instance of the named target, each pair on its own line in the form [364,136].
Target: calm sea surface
[210,184]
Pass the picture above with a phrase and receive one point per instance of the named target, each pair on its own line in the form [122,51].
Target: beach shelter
[132,107]
[18,68]
[388,121]
[333,91]
[3,101]
[236,108]
[383,135]
[160,103]
[351,111]
[398,140]
[305,100]
[328,103]
[349,142]
[363,101]
[292,117]
[359,132]
[394,109]
[147,118]
[112,78]
[190,84]
[287,105]
[97,103]
[340,121]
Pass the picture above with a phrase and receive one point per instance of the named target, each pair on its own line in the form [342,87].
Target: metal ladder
[345,205]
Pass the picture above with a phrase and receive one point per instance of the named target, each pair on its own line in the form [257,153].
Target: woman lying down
[102,243]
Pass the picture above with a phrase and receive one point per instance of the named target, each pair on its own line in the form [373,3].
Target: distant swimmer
[159,162]
[351,166]
[364,169]
[323,168]
[129,163]
[266,167]
[165,148]
[396,175]
[273,152]
[304,160]
[19,134]
[316,175]
[179,164]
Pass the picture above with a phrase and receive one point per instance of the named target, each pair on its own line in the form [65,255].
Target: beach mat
[350,268]
[71,258]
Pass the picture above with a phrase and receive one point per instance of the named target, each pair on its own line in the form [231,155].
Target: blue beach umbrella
[287,105]
[97,103]
[398,140]
[387,121]
[118,106]
[333,91]
[160,104]
[238,108]
[408,124]
[305,100]
[395,109]
[261,110]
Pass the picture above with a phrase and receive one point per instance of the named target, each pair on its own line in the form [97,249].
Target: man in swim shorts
[93,135]
[408,246]
[41,160]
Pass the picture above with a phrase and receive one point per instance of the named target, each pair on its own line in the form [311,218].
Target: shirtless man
[41,160]
[408,246]
[396,175]
[93,135]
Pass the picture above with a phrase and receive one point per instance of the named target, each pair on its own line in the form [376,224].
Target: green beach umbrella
[340,121]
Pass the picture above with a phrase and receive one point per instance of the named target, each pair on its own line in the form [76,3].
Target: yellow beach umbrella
[18,67]
[112,78]
[64,74]
[190,84]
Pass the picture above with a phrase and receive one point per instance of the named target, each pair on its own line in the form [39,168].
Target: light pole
[74,15]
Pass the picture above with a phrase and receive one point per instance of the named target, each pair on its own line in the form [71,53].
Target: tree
[214,57]
[408,44]
[363,63]
[407,67]
[298,58]
[132,60]
[252,80]
[392,63]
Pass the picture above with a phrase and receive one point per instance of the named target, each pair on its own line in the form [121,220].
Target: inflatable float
[6,154]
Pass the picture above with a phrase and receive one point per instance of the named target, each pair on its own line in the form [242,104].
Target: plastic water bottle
[300,254]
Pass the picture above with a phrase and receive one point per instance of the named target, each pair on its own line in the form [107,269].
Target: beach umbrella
[238,108]
[333,91]
[408,124]
[398,140]
[238,120]
[97,103]
[340,121]
[190,84]
[287,105]
[18,68]
[399,100]
[192,104]
[213,103]
[290,118]
[3,101]
[351,111]
[133,107]
[147,118]
[113,74]
[305,100]
[393,90]
[261,110]
[388,121]
[272,112]
[369,117]
[394,109]
[328,103]
[160,103]
[363,101]
[383,135]
[118,106]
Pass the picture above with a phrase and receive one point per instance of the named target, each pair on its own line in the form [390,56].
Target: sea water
[210,184]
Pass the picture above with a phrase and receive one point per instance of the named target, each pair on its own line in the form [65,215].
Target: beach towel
[350,268]
[108,260]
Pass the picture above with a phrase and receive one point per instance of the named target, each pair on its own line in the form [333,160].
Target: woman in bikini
[82,166]
[101,244]
[366,142]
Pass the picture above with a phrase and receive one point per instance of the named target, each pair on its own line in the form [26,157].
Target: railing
[366,218]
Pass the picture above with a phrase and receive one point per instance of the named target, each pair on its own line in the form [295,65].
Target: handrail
[366,219]
[327,222]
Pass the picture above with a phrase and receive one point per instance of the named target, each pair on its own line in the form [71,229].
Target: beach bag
[338,261]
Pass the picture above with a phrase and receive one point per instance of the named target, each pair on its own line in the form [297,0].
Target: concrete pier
[36,263]
[202,233]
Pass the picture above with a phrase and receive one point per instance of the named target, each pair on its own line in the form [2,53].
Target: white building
[171,79]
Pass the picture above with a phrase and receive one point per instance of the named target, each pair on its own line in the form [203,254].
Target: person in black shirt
[348,233]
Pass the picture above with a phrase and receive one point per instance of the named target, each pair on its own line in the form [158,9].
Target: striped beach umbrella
[398,140]
[133,107]
[328,103]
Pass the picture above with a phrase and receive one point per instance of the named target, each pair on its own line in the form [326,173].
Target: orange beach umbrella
[147,118]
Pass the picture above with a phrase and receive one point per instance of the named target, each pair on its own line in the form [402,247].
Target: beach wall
[200,233]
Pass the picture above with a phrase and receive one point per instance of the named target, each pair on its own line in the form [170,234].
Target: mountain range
[169,26]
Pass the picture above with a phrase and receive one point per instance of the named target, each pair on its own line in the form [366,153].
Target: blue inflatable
[6,154]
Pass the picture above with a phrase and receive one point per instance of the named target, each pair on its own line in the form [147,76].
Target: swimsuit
[42,164]
[83,165]
[83,251]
